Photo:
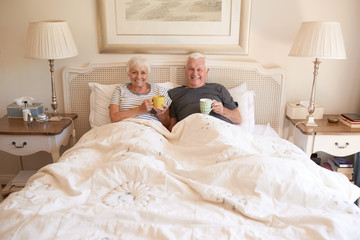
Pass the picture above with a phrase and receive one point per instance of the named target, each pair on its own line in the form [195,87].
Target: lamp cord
[293,133]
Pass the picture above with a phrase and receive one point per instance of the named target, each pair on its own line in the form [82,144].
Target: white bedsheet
[206,180]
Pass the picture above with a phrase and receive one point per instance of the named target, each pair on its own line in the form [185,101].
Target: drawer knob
[19,146]
[341,146]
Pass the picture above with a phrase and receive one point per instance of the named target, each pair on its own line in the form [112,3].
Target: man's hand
[233,115]
[217,107]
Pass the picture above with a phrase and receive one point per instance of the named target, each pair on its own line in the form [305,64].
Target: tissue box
[297,111]
[15,111]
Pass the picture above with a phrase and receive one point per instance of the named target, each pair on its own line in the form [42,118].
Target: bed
[206,179]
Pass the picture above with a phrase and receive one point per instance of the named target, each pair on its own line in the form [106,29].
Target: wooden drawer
[22,145]
[337,145]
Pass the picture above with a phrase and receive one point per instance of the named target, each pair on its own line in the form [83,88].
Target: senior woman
[134,100]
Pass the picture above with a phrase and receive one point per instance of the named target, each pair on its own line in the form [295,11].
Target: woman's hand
[147,105]
[160,111]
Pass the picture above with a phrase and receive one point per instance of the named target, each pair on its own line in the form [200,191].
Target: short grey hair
[197,56]
[137,61]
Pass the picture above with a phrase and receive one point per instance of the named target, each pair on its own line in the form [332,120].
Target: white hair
[197,56]
[137,61]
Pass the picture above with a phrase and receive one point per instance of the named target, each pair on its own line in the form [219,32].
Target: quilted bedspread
[207,179]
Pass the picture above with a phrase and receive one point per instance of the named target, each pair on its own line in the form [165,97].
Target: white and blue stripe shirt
[127,99]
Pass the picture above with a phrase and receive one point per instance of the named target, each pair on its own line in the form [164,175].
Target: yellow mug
[158,101]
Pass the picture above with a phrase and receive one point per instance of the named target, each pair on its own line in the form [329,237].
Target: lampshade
[319,40]
[49,40]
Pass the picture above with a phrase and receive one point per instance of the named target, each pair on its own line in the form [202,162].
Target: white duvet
[205,180]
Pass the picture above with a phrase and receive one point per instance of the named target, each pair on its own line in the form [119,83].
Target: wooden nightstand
[335,139]
[17,138]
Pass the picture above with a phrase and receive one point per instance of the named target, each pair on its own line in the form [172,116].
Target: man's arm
[233,115]
[163,116]
[173,121]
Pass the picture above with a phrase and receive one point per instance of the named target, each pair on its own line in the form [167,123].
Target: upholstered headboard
[268,85]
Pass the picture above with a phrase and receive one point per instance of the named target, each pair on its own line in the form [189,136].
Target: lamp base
[54,119]
[310,121]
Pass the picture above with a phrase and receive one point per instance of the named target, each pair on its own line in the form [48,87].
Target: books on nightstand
[341,165]
[350,119]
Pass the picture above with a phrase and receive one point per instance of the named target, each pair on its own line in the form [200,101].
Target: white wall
[274,25]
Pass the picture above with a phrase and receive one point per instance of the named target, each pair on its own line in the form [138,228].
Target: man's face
[196,73]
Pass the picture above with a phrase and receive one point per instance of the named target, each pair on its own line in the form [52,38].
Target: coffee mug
[158,101]
[205,105]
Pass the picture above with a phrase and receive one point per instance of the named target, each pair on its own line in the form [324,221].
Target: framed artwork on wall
[174,26]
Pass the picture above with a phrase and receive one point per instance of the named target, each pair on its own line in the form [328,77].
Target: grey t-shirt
[186,101]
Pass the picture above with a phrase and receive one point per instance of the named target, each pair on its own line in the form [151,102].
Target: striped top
[127,99]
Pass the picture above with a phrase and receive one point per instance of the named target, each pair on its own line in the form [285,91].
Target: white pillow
[100,98]
[101,94]
[245,100]
[265,130]
[168,85]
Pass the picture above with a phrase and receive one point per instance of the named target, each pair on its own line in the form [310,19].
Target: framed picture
[174,26]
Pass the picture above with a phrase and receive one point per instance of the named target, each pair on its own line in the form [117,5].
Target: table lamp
[320,40]
[50,40]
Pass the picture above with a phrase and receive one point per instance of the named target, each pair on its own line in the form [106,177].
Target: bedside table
[17,138]
[333,138]
[336,139]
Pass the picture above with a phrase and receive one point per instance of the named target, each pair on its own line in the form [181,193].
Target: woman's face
[138,76]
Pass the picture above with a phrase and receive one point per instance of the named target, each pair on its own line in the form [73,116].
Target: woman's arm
[116,115]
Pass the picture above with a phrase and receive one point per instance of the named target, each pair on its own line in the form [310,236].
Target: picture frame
[120,30]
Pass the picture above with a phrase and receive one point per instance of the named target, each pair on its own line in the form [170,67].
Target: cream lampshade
[320,40]
[50,40]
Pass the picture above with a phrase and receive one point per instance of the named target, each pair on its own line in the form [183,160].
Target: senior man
[186,99]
